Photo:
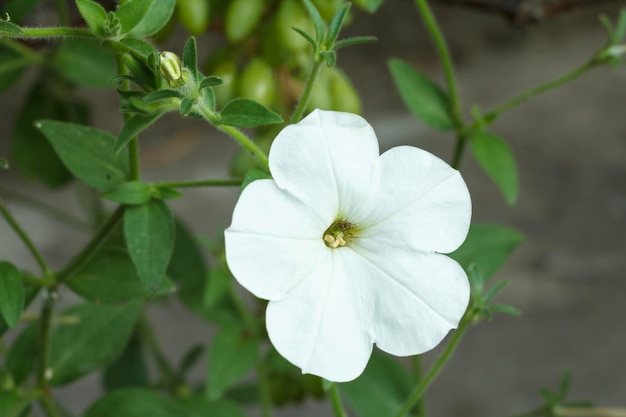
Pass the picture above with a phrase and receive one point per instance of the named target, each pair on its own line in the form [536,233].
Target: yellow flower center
[339,234]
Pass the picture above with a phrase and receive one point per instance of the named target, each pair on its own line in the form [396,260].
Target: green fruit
[227,71]
[291,14]
[321,97]
[242,16]
[344,96]
[257,82]
[194,15]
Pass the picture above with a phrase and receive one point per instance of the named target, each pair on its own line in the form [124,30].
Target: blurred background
[568,278]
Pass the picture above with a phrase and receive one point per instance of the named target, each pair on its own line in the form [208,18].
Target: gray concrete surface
[568,278]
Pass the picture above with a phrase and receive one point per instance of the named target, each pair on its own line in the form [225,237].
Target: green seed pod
[321,97]
[194,15]
[257,82]
[227,71]
[344,95]
[242,16]
[291,14]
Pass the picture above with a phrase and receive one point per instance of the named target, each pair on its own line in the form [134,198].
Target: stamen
[335,241]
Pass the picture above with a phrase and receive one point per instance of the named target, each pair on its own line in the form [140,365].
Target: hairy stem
[306,94]
[335,398]
[52,32]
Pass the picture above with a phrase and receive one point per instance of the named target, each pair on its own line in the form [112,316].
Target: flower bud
[170,69]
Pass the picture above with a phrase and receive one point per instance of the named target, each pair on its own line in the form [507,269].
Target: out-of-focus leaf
[13,404]
[91,337]
[425,99]
[12,65]
[20,361]
[131,12]
[85,62]
[132,193]
[202,407]
[495,157]
[11,293]
[487,247]
[137,402]
[129,370]
[157,17]
[19,9]
[94,14]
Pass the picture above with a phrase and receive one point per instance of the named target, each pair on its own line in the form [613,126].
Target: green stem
[306,94]
[133,145]
[525,96]
[264,390]
[48,406]
[45,323]
[335,398]
[425,382]
[461,140]
[94,244]
[45,269]
[201,183]
[246,142]
[446,60]
[416,368]
[168,375]
[53,32]
[54,212]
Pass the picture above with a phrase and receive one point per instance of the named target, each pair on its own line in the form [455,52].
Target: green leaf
[149,233]
[190,56]
[139,47]
[424,98]
[142,73]
[133,193]
[10,29]
[233,354]
[202,407]
[495,157]
[355,40]
[20,356]
[164,192]
[110,277]
[161,95]
[30,292]
[186,106]
[132,127]
[380,390]
[620,27]
[32,154]
[253,175]
[11,294]
[129,370]
[242,112]
[210,81]
[487,247]
[137,403]
[220,281]
[12,65]
[94,14]
[156,18]
[13,404]
[188,268]
[373,5]
[318,23]
[92,337]
[85,62]
[335,26]
[132,12]
[86,152]
[190,359]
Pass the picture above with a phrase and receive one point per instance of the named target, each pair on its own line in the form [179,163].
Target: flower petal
[413,299]
[316,328]
[422,203]
[273,241]
[326,161]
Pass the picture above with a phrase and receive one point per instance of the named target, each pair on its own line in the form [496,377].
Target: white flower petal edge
[347,244]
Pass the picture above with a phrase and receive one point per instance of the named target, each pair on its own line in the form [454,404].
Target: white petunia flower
[348,246]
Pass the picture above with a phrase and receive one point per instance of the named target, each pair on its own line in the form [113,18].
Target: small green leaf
[190,359]
[137,402]
[242,112]
[139,48]
[30,292]
[110,277]
[202,407]
[4,164]
[355,40]
[86,152]
[505,309]
[253,175]
[335,26]
[133,126]
[92,337]
[11,293]
[486,247]
[149,233]
[620,28]
[495,157]
[210,81]
[190,56]
[13,404]
[132,12]
[424,98]
[566,377]
[132,193]
[10,29]
[129,370]
[164,192]
[142,73]
[318,23]
[305,36]
[186,106]
[94,14]
[380,390]
[161,95]
[233,354]
[330,57]
[156,18]
[85,62]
